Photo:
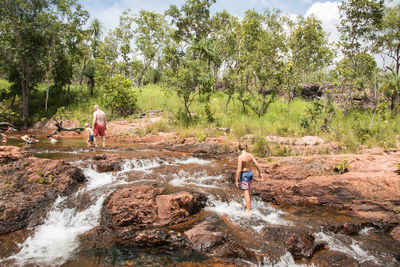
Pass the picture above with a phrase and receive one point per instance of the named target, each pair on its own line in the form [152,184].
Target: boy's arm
[257,165]
[238,171]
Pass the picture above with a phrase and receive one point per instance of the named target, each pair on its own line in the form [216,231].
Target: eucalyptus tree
[226,40]
[24,41]
[260,63]
[309,47]
[309,53]
[190,53]
[150,37]
[360,22]
[192,20]
[389,46]
[89,51]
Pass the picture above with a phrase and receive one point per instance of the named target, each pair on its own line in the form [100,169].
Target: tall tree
[150,38]
[192,20]
[261,59]
[389,46]
[309,47]
[24,41]
[359,20]
[190,52]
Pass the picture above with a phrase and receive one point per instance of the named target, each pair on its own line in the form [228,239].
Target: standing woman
[245,173]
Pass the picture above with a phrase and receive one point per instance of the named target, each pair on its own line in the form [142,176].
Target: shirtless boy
[245,173]
[99,124]
[89,131]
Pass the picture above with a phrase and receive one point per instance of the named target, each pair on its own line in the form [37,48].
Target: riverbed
[60,240]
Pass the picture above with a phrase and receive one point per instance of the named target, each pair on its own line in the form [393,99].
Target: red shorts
[99,129]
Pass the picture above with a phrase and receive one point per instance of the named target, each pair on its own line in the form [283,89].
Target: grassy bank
[352,129]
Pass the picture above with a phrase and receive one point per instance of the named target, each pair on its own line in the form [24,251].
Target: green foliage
[261,147]
[32,36]
[119,96]
[397,168]
[159,126]
[309,46]
[318,117]
[342,167]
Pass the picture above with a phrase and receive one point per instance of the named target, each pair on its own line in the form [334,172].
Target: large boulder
[29,185]
[146,206]
[203,239]
[298,242]
[370,188]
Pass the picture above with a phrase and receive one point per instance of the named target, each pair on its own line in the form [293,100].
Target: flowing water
[57,241]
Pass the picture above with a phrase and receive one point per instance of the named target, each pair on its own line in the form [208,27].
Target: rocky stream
[140,205]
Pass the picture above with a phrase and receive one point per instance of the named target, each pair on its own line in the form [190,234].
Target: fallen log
[142,115]
[60,128]
[7,127]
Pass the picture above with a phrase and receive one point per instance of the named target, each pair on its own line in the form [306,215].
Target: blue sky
[109,11]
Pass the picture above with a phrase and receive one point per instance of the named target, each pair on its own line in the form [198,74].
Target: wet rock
[107,163]
[347,228]
[29,185]
[299,243]
[134,206]
[333,258]
[175,208]
[202,239]
[395,233]
[157,237]
[370,189]
[12,153]
[143,206]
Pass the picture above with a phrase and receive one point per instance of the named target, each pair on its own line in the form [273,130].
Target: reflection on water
[56,241]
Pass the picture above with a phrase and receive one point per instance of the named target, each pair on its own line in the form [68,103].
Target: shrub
[119,95]
[342,167]
[261,147]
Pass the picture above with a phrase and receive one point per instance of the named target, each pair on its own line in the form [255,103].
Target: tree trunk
[47,92]
[187,107]
[25,99]
[68,98]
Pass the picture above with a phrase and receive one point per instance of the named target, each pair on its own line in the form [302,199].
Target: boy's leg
[247,198]
[104,140]
[95,141]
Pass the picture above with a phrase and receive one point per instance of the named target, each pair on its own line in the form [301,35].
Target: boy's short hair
[242,146]
[86,124]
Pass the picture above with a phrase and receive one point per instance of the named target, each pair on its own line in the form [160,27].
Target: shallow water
[57,242]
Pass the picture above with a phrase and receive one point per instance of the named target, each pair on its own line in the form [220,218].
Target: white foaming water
[286,260]
[366,230]
[261,213]
[96,180]
[192,160]
[142,164]
[199,179]
[354,250]
[54,241]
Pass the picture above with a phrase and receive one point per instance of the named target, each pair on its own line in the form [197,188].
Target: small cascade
[56,239]
[348,246]
[199,179]
[53,242]
[261,213]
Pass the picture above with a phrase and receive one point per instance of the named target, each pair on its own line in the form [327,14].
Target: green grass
[352,129]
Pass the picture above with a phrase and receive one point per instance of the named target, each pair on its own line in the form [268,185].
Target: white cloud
[109,17]
[328,13]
